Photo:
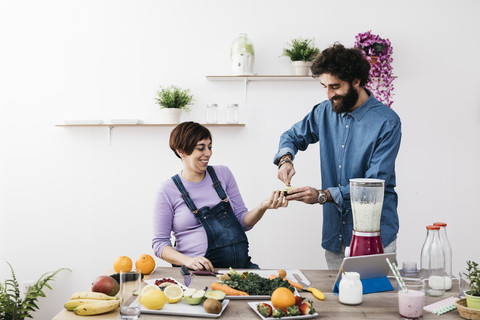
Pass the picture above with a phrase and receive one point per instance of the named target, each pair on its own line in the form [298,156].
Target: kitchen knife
[187,278]
[204,273]
[317,293]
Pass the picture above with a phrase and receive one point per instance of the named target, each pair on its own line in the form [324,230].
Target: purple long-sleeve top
[171,214]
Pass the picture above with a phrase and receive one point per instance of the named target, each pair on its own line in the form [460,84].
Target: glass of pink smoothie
[412,300]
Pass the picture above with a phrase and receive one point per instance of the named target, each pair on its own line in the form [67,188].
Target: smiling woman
[203,208]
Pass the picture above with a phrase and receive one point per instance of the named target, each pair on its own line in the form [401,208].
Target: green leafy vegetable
[254,284]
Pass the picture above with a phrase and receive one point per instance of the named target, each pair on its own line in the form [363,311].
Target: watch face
[322,197]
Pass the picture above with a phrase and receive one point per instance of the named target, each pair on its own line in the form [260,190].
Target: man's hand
[286,172]
[304,194]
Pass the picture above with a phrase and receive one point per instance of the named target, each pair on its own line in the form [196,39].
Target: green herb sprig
[473,275]
[13,306]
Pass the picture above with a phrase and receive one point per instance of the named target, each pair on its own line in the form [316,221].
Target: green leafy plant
[174,97]
[301,50]
[15,307]
[473,275]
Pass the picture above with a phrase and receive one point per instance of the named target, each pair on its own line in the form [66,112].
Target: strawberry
[278,313]
[298,300]
[293,311]
[306,308]
[264,309]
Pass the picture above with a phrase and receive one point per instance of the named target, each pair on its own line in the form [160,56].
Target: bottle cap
[440,224]
[433,228]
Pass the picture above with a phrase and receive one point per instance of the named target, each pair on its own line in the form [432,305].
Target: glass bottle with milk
[432,263]
[448,253]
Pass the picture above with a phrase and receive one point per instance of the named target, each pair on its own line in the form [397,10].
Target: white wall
[68,199]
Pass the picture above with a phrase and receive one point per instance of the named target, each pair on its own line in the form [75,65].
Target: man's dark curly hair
[346,64]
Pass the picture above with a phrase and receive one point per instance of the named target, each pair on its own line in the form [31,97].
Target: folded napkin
[372,285]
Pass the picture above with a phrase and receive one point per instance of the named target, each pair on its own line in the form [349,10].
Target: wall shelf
[262,78]
[247,79]
[110,126]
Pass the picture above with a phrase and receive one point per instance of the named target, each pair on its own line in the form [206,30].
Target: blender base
[365,243]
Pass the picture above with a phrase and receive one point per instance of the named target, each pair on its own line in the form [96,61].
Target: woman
[203,207]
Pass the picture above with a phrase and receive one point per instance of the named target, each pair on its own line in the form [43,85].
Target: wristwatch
[322,196]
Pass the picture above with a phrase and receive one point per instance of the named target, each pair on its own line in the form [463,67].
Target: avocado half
[215,294]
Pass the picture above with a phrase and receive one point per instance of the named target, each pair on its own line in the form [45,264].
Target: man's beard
[346,102]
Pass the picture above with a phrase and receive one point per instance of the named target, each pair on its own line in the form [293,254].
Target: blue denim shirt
[363,143]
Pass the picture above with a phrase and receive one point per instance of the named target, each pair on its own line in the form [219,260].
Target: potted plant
[378,52]
[473,276]
[172,101]
[301,52]
[15,307]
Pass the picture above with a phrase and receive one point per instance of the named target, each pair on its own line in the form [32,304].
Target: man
[359,137]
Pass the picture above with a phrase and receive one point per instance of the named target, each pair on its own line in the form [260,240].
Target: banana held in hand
[96,307]
[91,295]
[72,304]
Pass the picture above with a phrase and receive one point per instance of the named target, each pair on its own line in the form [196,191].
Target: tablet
[371,266]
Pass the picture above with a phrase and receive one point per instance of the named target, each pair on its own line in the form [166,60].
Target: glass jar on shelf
[212,113]
[232,113]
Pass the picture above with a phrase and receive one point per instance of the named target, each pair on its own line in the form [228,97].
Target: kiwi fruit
[212,306]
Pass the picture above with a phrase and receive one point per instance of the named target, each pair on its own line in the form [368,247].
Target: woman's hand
[199,263]
[276,200]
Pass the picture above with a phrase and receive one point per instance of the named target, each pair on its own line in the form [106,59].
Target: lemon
[153,299]
[174,293]
[149,287]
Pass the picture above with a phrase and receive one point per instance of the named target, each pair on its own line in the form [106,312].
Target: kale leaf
[254,284]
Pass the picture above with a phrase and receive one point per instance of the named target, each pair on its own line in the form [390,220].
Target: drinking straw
[397,275]
[442,306]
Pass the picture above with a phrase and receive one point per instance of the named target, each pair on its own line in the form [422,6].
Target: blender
[366,198]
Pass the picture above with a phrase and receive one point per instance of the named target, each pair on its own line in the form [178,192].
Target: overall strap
[184,192]
[216,184]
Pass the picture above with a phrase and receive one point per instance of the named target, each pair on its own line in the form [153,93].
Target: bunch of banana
[86,303]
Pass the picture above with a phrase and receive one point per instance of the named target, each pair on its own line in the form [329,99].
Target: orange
[122,263]
[145,263]
[282,298]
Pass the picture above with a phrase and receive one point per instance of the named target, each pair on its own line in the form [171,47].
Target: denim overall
[227,242]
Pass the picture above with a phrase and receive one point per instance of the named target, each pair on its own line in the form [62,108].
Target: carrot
[292,283]
[228,290]
[295,284]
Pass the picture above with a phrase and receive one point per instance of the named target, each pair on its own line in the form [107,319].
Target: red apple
[106,284]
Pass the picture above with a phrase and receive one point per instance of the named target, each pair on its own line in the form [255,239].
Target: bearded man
[358,136]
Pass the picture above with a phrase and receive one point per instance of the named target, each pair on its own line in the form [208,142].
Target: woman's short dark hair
[346,64]
[186,135]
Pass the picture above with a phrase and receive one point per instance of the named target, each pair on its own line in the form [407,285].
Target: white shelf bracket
[245,89]
[109,135]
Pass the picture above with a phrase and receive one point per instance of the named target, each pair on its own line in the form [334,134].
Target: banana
[91,295]
[72,304]
[96,307]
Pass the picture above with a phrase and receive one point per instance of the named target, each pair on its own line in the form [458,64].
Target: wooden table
[382,305]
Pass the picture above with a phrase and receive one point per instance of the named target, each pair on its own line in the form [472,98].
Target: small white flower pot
[170,115]
[301,68]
